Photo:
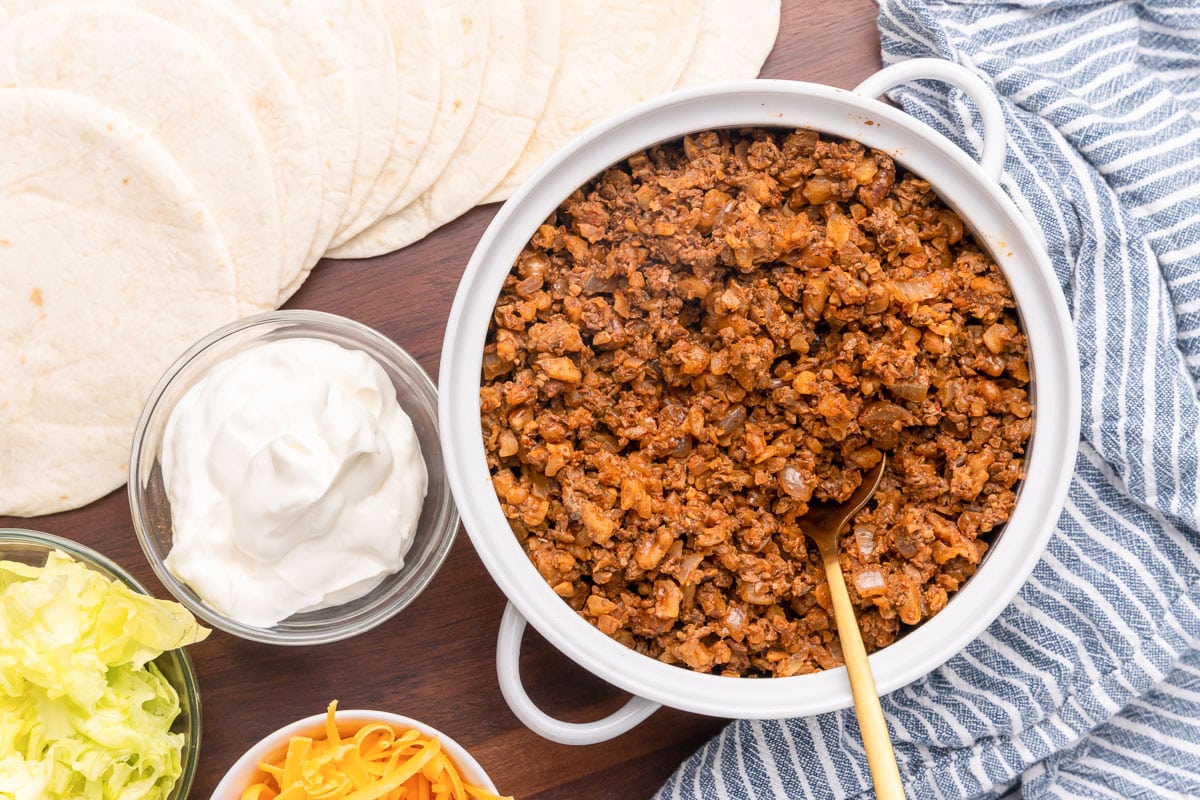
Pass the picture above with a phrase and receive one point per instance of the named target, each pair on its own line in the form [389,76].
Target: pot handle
[508,670]
[992,159]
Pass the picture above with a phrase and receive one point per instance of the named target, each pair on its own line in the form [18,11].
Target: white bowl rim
[998,225]
[238,776]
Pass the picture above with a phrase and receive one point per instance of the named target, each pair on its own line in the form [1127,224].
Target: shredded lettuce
[83,712]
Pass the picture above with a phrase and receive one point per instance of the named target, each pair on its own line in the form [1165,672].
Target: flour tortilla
[613,55]
[254,73]
[735,38]
[523,40]
[161,79]
[360,27]
[283,121]
[418,77]
[322,73]
[462,32]
[110,266]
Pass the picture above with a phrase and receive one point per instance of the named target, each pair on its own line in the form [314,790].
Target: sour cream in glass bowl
[286,481]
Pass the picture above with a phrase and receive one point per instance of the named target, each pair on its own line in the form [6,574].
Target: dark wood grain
[435,661]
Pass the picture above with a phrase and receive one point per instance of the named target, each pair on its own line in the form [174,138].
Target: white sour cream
[295,480]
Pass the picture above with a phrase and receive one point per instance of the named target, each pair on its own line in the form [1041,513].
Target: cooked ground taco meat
[720,330]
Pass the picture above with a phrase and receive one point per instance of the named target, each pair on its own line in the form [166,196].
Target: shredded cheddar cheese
[378,762]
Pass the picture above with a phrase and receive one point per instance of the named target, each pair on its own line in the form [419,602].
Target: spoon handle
[876,740]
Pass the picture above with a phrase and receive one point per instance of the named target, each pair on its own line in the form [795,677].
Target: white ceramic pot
[971,189]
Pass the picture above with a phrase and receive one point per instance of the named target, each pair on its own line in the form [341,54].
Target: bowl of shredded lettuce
[97,697]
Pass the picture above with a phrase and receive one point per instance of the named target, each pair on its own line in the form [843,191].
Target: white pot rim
[998,226]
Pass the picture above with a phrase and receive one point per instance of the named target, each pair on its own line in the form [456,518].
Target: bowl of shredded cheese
[356,753]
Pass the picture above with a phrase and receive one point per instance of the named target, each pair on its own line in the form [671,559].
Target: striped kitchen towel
[1088,685]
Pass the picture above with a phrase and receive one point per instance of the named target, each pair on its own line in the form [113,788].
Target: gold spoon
[823,524]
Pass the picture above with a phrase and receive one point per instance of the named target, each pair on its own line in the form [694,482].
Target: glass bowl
[151,508]
[33,548]
[245,772]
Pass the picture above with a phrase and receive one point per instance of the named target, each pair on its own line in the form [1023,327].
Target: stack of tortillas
[172,165]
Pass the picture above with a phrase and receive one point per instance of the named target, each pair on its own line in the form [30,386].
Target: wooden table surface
[435,660]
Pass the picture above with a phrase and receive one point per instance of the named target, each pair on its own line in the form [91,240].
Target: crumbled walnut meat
[719,331]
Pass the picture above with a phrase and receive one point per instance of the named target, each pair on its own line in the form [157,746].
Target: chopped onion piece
[869,583]
[864,537]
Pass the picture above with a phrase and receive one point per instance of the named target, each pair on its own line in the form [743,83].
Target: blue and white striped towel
[1088,685]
